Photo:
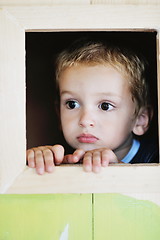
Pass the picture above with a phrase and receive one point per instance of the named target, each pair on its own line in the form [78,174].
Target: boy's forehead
[99,75]
[96,81]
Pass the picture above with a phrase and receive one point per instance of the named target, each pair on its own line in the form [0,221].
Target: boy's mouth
[87,138]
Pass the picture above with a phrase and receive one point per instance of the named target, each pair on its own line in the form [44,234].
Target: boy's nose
[86,119]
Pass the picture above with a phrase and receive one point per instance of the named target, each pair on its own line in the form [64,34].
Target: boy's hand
[95,159]
[45,158]
[92,160]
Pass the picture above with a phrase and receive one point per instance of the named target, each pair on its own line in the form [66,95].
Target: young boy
[103,105]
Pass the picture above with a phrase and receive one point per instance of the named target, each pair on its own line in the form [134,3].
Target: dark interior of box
[42,123]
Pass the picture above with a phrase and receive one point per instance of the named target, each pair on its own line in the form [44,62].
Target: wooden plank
[72,179]
[73,2]
[12,100]
[88,17]
[58,217]
[137,2]
[121,217]
[41,2]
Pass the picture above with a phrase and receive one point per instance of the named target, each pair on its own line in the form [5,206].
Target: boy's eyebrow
[106,94]
[65,92]
[98,94]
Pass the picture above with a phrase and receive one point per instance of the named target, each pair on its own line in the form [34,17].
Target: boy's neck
[122,151]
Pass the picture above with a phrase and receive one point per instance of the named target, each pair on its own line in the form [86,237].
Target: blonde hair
[126,62]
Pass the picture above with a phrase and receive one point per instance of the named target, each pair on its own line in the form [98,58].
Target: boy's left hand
[92,160]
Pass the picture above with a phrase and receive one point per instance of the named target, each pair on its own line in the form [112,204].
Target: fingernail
[32,165]
[87,168]
[75,159]
[96,169]
[40,171]
[104,163]
[50,169]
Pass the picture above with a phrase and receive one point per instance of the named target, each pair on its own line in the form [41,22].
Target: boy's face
[96,107]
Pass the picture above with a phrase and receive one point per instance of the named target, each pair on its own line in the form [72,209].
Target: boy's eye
[71,104]
[106,106]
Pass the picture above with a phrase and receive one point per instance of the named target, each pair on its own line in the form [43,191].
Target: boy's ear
[142,121]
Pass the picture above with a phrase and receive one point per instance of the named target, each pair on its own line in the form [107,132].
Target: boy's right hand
[45,158]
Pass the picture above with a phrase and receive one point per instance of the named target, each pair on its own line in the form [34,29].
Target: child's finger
[30,158]
[68,158]
[78,155]
[87,162]
[58,151]
[39,161]
[106,157]
[49,160]
[96,161]
[75,157]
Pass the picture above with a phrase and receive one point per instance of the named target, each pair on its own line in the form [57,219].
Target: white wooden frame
[15,177]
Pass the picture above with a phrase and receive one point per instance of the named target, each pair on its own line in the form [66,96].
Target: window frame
[14,22]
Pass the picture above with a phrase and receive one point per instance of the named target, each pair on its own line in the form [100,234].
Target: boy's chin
[86,147]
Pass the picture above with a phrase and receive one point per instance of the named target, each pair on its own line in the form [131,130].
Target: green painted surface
[44,217]
[118,217]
